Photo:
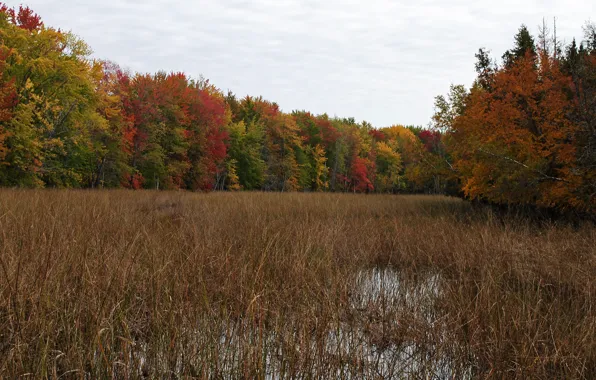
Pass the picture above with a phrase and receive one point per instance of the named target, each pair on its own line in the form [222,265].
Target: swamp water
[389,328]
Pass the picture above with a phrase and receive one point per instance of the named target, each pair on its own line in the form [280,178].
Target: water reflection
[389,328]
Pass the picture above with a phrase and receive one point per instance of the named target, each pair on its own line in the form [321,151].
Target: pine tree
[484,68]
[524,45]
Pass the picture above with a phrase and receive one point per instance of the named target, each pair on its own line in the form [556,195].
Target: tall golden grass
[119,284]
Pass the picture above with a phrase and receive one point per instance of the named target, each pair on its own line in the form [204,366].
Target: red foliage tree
[431,140]
[359,174]
[8,99]
[24,17]
[377,135]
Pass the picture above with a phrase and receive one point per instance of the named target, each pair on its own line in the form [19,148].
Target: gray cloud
[377,60]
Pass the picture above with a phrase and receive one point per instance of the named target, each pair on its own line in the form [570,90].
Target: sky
[376,60]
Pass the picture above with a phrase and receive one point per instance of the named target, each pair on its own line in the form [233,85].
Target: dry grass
[118,284]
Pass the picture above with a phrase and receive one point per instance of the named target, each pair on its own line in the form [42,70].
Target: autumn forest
[523,134]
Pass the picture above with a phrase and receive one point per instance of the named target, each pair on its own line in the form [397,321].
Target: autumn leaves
[71,121]
[520,133]
[523,134]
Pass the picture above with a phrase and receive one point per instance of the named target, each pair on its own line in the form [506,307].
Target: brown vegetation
[242,285]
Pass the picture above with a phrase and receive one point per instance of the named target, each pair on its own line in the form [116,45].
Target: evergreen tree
[524,45]
[484,68]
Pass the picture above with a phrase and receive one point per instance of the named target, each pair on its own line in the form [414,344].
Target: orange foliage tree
[514,143]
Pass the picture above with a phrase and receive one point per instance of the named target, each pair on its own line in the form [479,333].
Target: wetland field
[130,284]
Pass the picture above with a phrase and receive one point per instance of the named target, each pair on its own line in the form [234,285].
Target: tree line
[524,133]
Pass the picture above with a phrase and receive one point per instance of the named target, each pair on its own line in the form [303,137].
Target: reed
[123,284]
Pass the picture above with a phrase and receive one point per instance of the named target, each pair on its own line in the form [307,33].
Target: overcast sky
[376,60]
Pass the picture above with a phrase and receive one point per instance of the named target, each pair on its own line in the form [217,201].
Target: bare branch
[544,175]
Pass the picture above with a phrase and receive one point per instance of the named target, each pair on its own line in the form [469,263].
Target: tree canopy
[524,133]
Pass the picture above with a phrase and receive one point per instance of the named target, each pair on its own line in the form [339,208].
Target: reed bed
[124,284]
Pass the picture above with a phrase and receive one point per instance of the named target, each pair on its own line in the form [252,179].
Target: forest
[523,134]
